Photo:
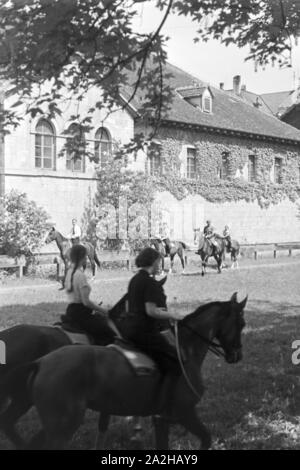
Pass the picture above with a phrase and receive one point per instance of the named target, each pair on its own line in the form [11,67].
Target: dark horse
[64,247]
[207,249]
[63,384]
[170,249]
[26,343]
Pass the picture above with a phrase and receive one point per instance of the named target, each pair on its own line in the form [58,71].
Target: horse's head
[51,235]
[229,330]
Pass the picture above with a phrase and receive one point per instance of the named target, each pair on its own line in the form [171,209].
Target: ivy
[209,150]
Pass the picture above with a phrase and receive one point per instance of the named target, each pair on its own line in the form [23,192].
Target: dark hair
[147,257]
[78,252]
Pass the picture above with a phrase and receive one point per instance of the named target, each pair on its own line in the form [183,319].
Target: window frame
[42,146]
[97,147]
[278,174]
[69,158]
[189,158]
[252,169]
[154,155]
[224,168]
[205,110]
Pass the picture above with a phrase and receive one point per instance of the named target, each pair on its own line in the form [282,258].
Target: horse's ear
[162,281]
[234,298]
[242,304]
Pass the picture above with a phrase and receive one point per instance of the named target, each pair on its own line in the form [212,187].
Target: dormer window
[207,104]
[198,96]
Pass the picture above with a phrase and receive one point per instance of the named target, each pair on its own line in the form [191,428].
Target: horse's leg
[181,256]
[161,429]
[171,262]
[203,265]
[65,273]
[190,419]
[17,408]
[219,262]
[103,424]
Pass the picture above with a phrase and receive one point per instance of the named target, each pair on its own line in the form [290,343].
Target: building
[218,155]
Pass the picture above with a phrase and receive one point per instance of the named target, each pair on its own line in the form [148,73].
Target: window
[75,149]
[224,169]
[154,160]
[103,147]
[191,164]
[278,170]
[44,145]
[251,168]
[207,104]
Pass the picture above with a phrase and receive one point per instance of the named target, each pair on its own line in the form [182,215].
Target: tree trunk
[2,155]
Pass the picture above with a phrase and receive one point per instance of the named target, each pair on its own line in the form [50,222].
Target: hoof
[202,274]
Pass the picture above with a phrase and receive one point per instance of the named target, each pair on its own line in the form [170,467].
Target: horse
[64,247]
[234,252]
[26,343]
[169,248]
[207,249]
[66,382]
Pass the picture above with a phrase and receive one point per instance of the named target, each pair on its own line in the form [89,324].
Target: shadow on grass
[250,405]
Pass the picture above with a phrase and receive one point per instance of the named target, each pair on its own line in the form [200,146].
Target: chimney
[237,84]
[221,86]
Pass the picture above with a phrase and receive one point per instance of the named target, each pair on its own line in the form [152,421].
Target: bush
[23,225]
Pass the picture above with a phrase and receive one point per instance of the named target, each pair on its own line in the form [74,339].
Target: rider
[209,233]
[227,236]
[146,311]
[75,233]
[80,310]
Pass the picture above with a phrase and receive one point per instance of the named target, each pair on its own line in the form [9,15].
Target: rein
[212,346]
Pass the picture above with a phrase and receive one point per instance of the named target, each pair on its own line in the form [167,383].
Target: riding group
[143,359]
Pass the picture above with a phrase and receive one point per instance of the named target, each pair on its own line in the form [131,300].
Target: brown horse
[26,343]
[234,252]
[63,384]
[64,247]
[206,249]
[168,248]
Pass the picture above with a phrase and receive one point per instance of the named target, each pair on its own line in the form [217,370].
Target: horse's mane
[199,310]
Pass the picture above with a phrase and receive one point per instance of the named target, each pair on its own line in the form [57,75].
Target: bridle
[215,348]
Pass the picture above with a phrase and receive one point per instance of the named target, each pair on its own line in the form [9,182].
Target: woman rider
[80,309]
[146,306]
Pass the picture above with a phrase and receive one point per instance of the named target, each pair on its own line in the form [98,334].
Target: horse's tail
[97,261]
[17,384]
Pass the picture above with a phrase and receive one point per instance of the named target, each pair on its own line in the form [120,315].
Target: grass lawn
[251,405]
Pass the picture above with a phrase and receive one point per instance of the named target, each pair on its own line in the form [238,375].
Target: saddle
[75,334]
[140,363]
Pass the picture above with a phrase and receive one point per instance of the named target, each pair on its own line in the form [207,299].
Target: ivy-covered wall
[209,149]
[258,212]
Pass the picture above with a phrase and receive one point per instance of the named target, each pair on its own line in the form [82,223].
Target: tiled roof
[281,99]
[229,112]
[255,100]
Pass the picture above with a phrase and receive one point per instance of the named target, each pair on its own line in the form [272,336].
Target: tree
[22,226]
[77,44]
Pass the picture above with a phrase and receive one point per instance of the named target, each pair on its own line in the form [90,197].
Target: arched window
[75,149]
[44,145]
[103,147]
